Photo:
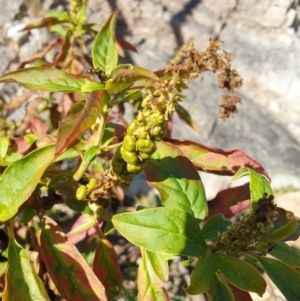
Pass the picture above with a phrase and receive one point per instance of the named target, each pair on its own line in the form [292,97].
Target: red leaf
[217,161]
[75,235]
[79,119]
[106,267]
[69,271]
[38,127]
[240,295]
[230,201]
[126,45]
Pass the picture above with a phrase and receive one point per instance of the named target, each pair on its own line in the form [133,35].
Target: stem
[84,165]
[110,147]
[10,230]
[100,131]
[82,227]
[82,45]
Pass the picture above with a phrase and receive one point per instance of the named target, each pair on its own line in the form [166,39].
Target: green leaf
[126,77]
[91,153]
[21,279]
[78,206]
[81,15]
[176,179]
[104,50]
[20,179]
[108,135]
[262,247]
[106,268]
[284,277]
[258,184]
[69,271]
[28,214]
[4,144]
[203,273]
[152,273]
[215,160]
[44,79]
[285,225]
[219,291]
[79,119]
[92,86]
[241,274]
[127,95]
[287,254]
[214,225]
[162,230]
[70,153]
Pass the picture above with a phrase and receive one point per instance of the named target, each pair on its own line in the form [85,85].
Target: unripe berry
[132,127]
[135,168]
[81,193]
[91,184]
[146,146]
[129,143]
[129,157]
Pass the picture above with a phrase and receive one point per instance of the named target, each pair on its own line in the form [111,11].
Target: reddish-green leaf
[241,274]
[258,184]
[126,45]
[20,179]
[21,279]
[152,273]
[239,295]
[162,230]
[67,268]
[52,18]
[44,79]
[79,119]
[285,224]
[104,50]
[185,116]
[230,201]
[203,273]
[284,277]
[176,179]
[106,268]
[215,160]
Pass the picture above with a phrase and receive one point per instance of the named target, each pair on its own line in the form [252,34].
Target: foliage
[88,128]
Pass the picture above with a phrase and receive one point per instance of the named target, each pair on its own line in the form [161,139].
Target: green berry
[125,178]
[146,146]
[159,131]
[91,184]
[129,157]
[132,127]
[118,164]
[135,168]
[156,118]
[81,193]
[145,156]
[129,143]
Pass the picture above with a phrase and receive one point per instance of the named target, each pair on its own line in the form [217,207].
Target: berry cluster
[83,190]
[139,142]
[250,229]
